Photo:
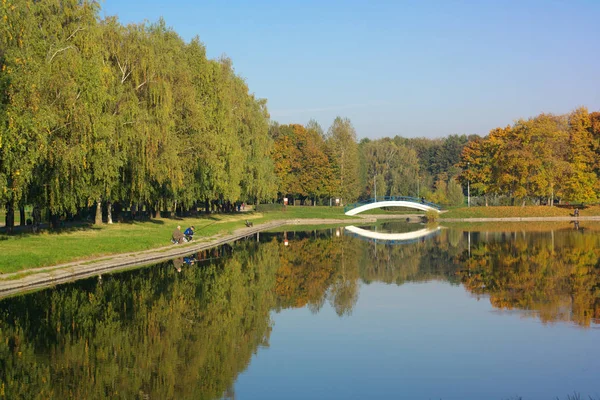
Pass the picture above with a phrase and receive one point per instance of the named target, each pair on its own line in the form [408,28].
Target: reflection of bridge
[390,201]
[394,238]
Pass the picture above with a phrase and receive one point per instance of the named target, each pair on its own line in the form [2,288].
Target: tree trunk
[206,206]
[98,219]
[486,200]
[37,217]
[54,220]
[10,215]
[109,212]
[22,215]
[165,207]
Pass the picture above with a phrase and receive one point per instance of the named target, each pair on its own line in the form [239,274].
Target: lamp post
[468,185]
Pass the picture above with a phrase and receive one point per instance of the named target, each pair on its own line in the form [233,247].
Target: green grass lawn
[516,211]
[293,212]
[21,251]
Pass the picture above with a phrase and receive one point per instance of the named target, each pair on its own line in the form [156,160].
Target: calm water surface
[497,312]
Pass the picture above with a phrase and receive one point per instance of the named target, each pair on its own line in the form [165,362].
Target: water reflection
[394,238]
[189,327]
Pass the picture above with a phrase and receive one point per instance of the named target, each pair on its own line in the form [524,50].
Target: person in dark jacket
[189,233]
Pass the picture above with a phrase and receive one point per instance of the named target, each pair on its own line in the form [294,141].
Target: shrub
[431,216]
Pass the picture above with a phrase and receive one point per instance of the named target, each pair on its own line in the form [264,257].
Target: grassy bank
[25,250]
[515,212]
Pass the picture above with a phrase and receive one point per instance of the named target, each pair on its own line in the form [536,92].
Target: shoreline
[38,278]
[522,219]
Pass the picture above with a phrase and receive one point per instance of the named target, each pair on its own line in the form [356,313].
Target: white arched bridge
[391,201]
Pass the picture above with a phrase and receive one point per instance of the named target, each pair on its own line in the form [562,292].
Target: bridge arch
[396,238]
[399,201]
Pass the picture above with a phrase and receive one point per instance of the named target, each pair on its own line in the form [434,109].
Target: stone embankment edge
[47,276]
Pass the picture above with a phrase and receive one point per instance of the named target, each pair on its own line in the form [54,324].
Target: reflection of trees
[557,276]
[154,333]
[313,269]
[428,259]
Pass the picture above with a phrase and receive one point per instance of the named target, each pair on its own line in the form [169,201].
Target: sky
[408,68]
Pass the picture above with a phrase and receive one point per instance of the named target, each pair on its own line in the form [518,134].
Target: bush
[431,216]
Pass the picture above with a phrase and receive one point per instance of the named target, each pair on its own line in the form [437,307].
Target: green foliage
[432,216]
[455,193]
[394,166]
[343,150]
[93,111]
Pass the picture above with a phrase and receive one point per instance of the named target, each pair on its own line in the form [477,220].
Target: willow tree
[258,178]
[23,131]
[394,166]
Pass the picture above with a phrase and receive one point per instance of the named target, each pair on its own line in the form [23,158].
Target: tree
[582,184]
[341,139]
[476,164]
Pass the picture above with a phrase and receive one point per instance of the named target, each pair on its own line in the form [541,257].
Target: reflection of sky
[421,341]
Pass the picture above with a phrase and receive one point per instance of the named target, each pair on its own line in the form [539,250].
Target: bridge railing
[391,198]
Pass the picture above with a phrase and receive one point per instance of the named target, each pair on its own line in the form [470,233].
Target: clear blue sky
[398,68]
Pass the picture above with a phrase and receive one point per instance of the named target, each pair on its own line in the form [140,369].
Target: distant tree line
[545,159]
[316,166]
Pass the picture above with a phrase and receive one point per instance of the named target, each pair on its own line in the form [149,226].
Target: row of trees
[311,164]
[93,111]
[314,165]
[544,158]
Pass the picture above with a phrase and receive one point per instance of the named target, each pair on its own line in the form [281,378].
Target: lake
[394,310]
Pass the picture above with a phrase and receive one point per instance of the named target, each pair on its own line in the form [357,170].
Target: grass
[23,251]
[306,212]
[519,226]
[517,211]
